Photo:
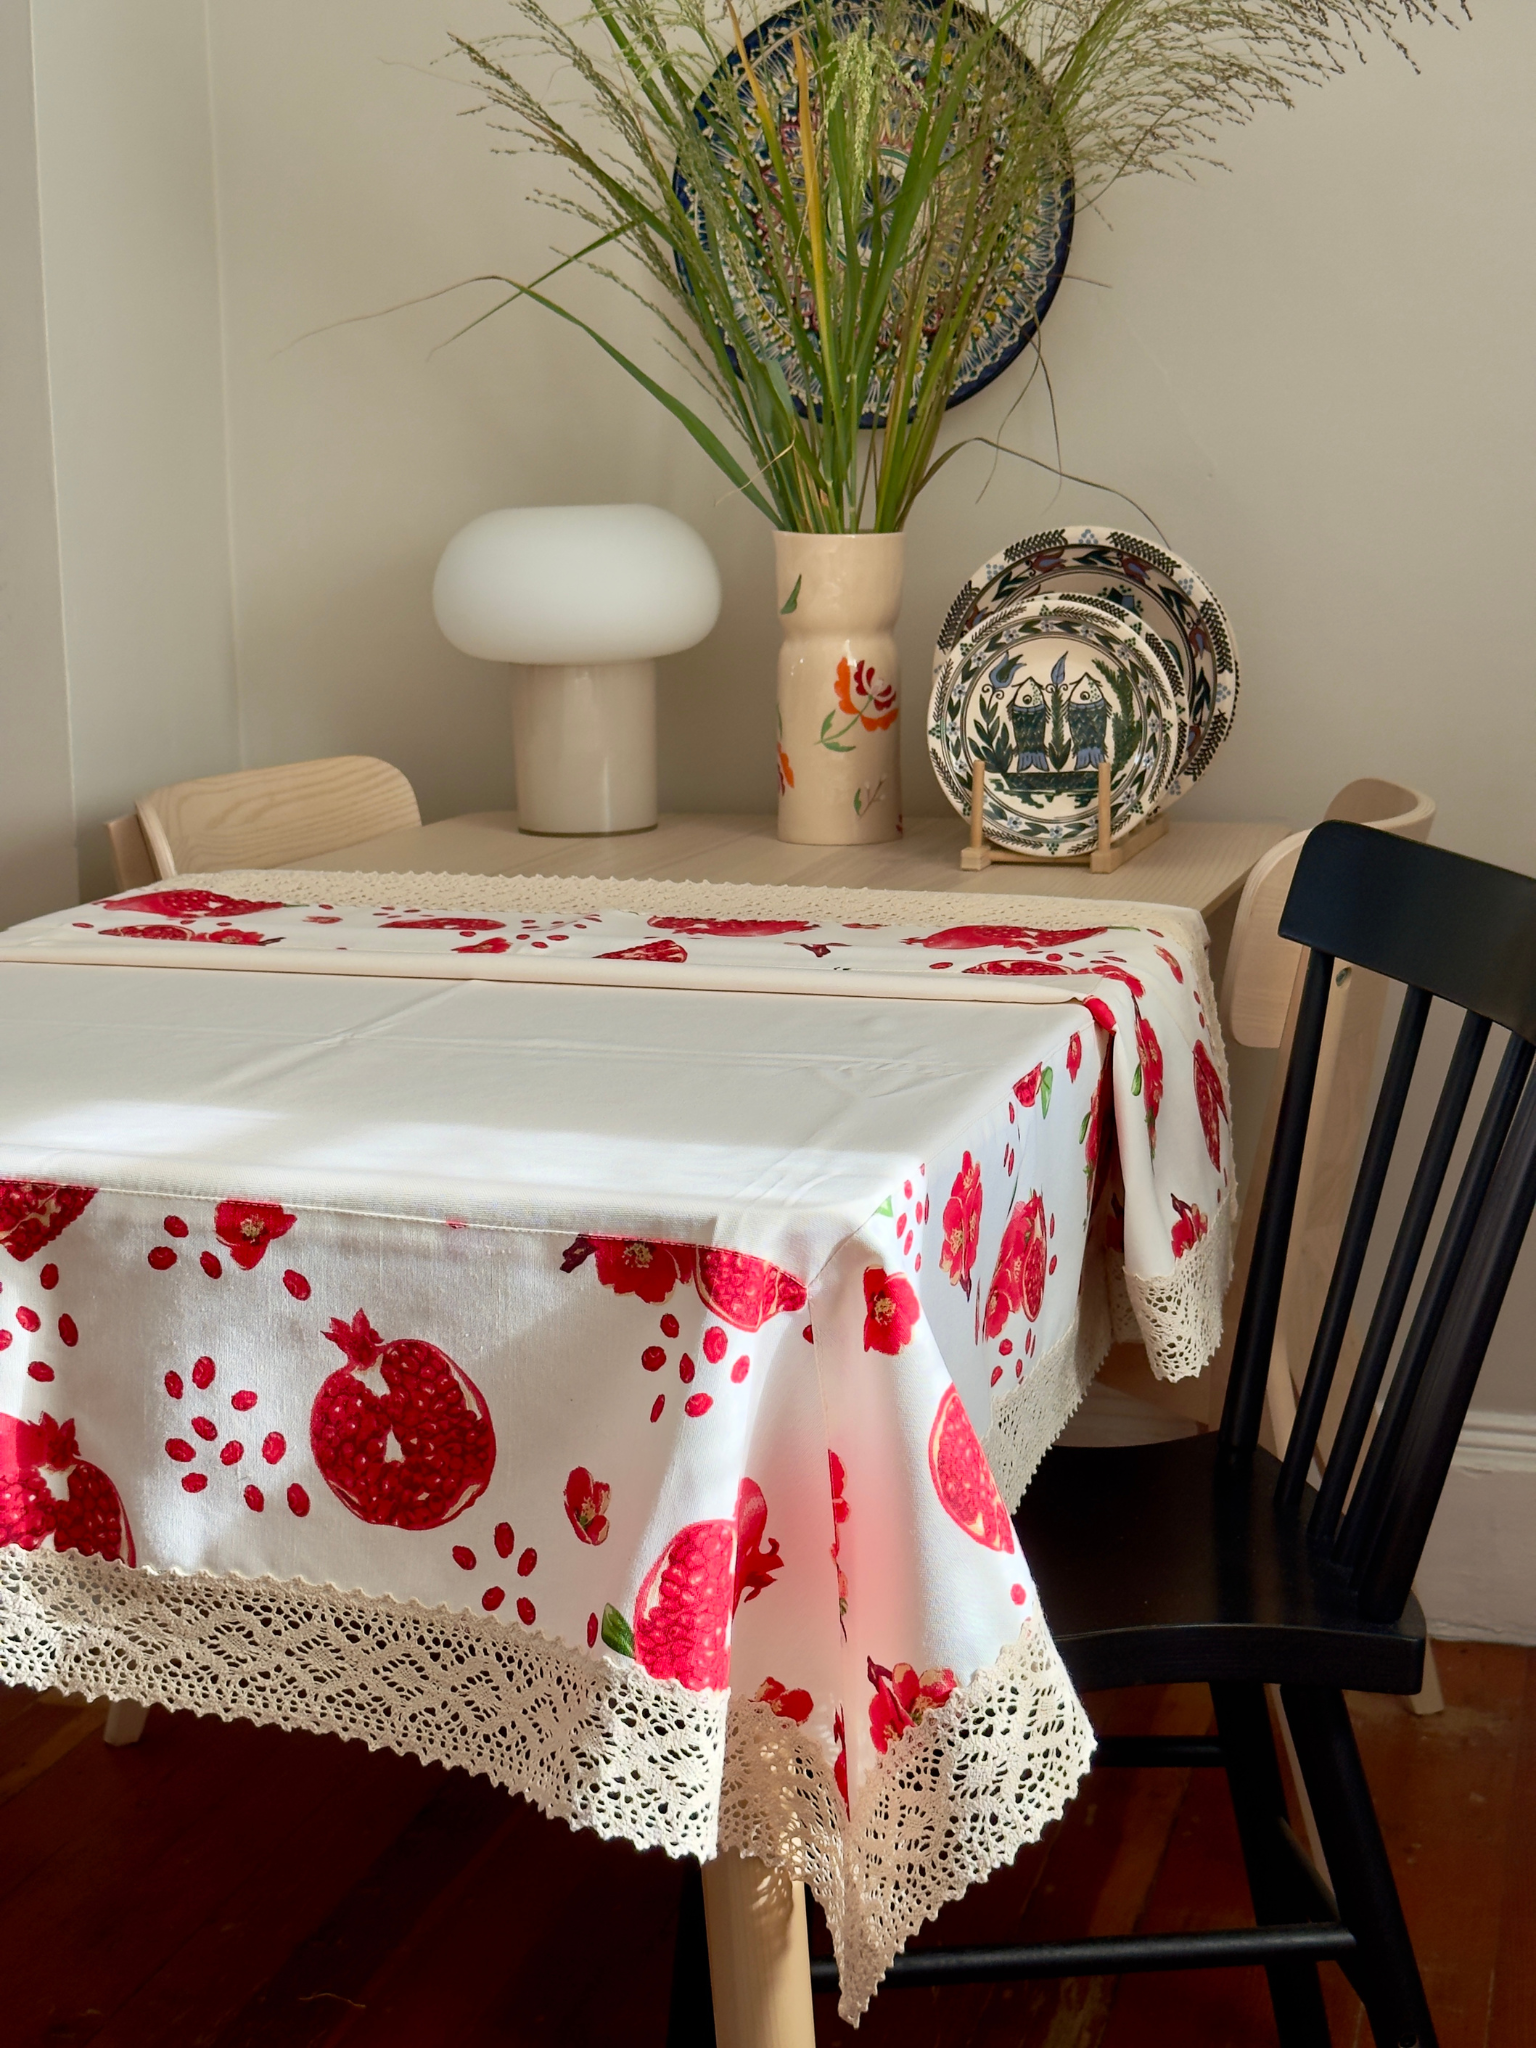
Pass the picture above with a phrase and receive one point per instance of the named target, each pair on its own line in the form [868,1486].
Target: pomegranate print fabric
[669,1478]
[400,1434]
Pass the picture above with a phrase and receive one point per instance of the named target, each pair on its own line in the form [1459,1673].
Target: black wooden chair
[1208,1559]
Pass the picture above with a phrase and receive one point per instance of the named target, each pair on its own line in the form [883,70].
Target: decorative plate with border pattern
[1025,286]
[1041,690]
[1143,578]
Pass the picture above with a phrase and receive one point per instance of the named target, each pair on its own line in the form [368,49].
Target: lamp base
[585,735]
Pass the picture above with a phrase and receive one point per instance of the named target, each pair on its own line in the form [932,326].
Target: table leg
[759,1957]
[125,1723]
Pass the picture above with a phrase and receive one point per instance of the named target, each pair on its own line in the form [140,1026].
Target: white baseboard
[1477,1580]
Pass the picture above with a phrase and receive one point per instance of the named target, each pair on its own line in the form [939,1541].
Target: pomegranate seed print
[274,1447]
[5,1340]
[527,1613]
[162,1258]
[232,1452]
[255,1500]
[740,1369]
[492,1598]
[463,1557]
[716,1344]
[298,1500]
[242,1402]
[203,1370]
[686,1370]
[49,1277]
[591,1631]
[174,1386]
[174,1226]
[178,1448]
[211,1264]
[698,1404]
[29,1320]
[205,1427]
[68,1331]
[527,1563]
[653,1358]
[296,1285]
[506,1542]
[402,1436]
[195,1482]
[38,1371]
[657,1405]
[670,1326]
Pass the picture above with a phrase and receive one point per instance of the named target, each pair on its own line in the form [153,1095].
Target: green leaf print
[617,1633]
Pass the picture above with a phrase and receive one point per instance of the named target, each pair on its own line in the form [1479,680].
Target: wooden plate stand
[1103,860]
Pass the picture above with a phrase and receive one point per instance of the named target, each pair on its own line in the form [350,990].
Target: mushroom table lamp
[584,598]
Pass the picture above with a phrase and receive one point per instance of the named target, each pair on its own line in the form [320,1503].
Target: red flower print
[789,1706]
[1026,1090]
[1211,1102]
[972,938]
[839,1516]
[402,1436]
[1149,1074]
[666,950]
[730,927]
[891,1312]
[744,1291]
[1018,1279]
[247,1228]
[1190,1227]
[902,1698]
[962,1478]
[586,1504]
[49,1494]
[1074,1055]
[632,1265]
[755,1567]
[189,903]
[34,1212]
[682,1615]
[962,1225]
[840,1762]
[865,695]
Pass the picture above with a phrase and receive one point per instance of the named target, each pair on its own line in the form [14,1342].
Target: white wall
[1313,371]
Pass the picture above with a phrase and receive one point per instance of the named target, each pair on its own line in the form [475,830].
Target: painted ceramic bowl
[1148,583]
[1042,690]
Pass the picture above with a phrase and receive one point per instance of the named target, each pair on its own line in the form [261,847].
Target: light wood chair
[261,817]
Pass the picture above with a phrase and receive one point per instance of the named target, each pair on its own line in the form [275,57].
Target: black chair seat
[1173,1561]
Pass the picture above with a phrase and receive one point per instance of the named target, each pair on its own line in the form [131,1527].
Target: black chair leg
[691,2014]
[1357,1862]
[1258,1800]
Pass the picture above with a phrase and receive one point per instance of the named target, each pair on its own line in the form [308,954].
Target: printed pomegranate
[962,1478]
[34,1212]
[402,1436]
[743,1291]
[50,1495]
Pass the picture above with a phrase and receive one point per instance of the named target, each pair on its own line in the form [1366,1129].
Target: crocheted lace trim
[613,1750]
[957,1798]
[1028,1421]
[1177,1315]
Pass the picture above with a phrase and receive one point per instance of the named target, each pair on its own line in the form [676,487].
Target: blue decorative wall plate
[1042,690]
[1025,287]
[1147,582]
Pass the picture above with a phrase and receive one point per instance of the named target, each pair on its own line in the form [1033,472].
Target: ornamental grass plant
[821,206]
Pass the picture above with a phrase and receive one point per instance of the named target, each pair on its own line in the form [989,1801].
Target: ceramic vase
[839,694]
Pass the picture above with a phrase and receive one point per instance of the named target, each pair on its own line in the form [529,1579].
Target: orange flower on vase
[786,773]
[865,695]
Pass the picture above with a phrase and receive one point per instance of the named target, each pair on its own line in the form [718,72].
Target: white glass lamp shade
[576,584]
[583,598]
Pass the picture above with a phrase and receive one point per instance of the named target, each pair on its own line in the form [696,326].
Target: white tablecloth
[588,1384]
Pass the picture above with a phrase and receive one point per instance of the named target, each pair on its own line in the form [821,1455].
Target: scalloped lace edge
[613,1750]
[1030,1418]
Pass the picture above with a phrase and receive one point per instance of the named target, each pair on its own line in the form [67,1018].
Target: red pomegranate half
[47,1490]
[962,1478]
[401,1435]
[743,1291]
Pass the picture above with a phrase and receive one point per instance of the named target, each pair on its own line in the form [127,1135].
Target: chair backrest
[1448,927]
[264,817]
[132,862]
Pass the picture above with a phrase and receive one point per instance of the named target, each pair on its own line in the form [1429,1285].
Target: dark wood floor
[233,1887]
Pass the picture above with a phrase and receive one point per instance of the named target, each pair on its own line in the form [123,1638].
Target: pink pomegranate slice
[47,1490]
[962,1478]
[682,1617]
[965,938]
[189,903]
[402,1435]
[34,1212]
[744,1291]
[1212,1103]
